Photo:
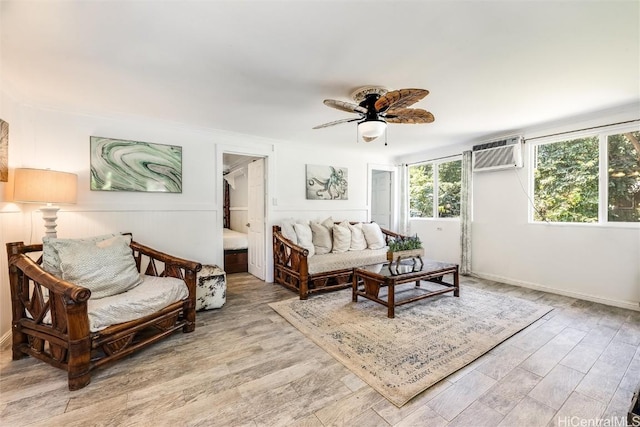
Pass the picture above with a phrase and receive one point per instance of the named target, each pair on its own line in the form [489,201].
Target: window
[571,185]
[623,170]
[432,181]
[449,182]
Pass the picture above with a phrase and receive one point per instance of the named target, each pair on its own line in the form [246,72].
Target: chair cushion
[152,295]
[106,267]
[50,257]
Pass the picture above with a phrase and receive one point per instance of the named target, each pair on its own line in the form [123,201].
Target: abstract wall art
[4,151]
[327,183]
[119,165]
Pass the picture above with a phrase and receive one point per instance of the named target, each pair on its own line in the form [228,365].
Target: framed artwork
[119,165]
[327,183]
[4,151]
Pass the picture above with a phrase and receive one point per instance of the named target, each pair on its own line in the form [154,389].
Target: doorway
[382,196]
[244,213]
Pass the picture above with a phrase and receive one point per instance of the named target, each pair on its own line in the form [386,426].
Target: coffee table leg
[391,301]
[354,286]
[456,284]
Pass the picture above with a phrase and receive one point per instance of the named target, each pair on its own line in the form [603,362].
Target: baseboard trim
[629,305]
[5,341]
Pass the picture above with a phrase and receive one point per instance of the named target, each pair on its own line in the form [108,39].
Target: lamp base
[50,215]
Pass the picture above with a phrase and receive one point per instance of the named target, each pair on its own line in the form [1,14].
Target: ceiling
[264,67]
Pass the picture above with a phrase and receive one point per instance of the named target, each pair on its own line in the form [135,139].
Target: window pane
[624,177]
[449,179]
[566,181]
[421,191]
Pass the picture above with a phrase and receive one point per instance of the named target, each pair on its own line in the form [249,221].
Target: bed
[234,243]
[235,251]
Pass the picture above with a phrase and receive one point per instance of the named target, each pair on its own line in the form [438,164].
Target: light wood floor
[245,365]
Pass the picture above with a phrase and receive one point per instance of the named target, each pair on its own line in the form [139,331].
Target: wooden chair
[50,320]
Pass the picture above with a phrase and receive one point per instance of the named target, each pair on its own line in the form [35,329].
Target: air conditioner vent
[497,155]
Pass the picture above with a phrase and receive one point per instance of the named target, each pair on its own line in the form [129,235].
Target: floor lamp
[45,186]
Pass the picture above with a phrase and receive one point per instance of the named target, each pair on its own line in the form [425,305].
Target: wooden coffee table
[368,280]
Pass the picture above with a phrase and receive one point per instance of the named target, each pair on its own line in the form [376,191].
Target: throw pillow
[328,223]
[358,242]
[373,235]
[106,267]
[321,238]
[288,232]
[50,258]
[305,237]
[341,237]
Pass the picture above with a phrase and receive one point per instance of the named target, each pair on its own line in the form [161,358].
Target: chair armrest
[33,271]
[165,258]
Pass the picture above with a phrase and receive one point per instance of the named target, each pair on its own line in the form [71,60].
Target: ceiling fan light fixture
[371,129]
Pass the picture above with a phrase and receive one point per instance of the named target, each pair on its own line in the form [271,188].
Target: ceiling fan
[377,106]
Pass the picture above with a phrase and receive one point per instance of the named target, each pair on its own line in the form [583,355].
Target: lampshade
[371,129]
[44,186]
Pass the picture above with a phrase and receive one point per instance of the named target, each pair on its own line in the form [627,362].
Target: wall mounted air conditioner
[496,155]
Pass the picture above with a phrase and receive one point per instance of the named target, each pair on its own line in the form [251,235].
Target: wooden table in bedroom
[368,280]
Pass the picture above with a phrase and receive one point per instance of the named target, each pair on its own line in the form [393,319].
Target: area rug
[426,341]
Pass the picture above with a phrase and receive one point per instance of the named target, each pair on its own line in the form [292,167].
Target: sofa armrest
[388,235]
[290,263]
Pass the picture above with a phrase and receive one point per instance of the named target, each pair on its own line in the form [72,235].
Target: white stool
[211,287]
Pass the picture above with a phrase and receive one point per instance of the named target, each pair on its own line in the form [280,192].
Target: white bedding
[234,240]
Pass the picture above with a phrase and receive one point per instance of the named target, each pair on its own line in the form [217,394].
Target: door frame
[394,190]
[267,152]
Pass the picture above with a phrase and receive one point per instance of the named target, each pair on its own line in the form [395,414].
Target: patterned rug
[427,341]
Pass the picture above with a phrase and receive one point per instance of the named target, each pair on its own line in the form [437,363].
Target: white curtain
[465,214]
[403,214]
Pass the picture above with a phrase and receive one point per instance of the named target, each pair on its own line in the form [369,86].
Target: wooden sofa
[291,267]
[50,320]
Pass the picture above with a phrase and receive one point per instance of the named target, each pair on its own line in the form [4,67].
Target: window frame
[436,192]
[603,176]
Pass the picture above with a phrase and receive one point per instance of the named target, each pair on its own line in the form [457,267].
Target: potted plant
[405,247]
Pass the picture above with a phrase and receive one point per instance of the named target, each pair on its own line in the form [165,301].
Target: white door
[256,252]
[381,205]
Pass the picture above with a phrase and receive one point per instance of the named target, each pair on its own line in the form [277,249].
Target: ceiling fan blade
[408,116]
[400,99]
[337,122]
[345,106]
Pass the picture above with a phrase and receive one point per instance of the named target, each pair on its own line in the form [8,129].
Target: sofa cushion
[351,259]
[341,237]
[106,267]
[358,242]
[288,232]
[321,237]
[373,235]
[152,295]
[305,237]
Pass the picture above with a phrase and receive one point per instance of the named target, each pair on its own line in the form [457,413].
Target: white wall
[593,262]
[290,200]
